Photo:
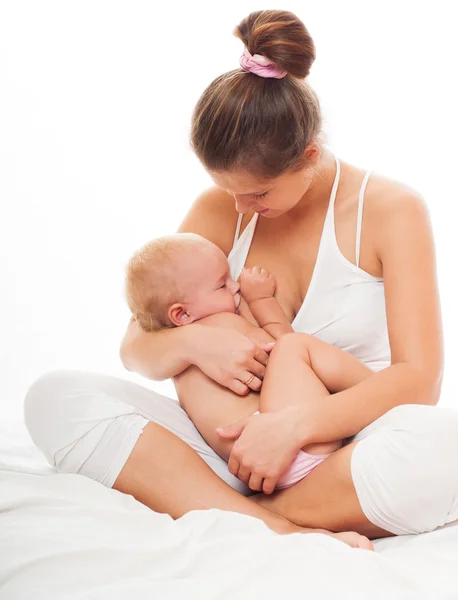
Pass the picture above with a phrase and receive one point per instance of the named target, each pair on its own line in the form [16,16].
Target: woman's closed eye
[261,195]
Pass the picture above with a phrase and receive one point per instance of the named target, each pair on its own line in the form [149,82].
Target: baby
[183,278]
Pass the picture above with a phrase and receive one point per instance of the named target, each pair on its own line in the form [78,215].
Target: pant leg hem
[119,446]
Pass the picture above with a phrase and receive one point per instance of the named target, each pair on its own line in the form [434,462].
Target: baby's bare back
[210,405]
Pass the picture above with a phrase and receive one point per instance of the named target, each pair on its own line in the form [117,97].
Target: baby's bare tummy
[210,405]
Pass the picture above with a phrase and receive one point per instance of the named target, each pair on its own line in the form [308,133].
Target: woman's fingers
[261,356]
[256,368]
[255,483]
[233,465]
[268,485]
[238,387]
[255,384]
[244,474]
[233,431]
[250,380]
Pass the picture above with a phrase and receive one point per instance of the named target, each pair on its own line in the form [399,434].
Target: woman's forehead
[240,182]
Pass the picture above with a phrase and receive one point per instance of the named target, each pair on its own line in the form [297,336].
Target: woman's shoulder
[382,192]
[213,216]
[386,198]
[391,207]
[387,194]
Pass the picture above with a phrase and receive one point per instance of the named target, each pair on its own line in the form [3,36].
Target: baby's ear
[178,315]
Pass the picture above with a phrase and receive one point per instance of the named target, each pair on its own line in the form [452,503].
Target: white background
[95,106]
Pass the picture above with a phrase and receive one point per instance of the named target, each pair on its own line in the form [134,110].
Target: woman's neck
[318,193]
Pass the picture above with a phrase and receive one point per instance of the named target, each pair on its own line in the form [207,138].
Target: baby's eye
[224,285]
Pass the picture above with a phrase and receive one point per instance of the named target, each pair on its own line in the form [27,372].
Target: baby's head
[177,279]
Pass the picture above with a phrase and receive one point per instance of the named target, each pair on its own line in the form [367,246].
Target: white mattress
[66,537]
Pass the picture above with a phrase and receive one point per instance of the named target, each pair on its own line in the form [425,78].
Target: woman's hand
[231,358]
[265,446]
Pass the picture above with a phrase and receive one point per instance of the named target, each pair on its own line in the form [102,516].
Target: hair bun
[281,37]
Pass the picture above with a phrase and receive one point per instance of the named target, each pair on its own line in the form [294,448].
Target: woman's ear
[178,315]
[312,154]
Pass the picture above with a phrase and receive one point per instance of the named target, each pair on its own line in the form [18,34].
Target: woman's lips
[261,212]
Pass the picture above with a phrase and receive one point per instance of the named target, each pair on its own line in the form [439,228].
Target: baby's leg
[303,368]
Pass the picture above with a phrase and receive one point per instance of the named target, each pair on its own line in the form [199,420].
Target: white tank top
[344,305]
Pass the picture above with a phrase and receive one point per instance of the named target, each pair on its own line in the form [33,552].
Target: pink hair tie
[260,65]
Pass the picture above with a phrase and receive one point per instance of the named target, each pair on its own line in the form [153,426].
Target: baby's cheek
[230,304]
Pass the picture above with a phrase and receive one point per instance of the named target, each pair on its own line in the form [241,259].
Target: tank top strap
[328,232]
[360,215]
[335,186]
[237,229]
[238,255]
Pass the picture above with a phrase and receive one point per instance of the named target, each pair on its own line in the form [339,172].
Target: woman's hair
[261,125]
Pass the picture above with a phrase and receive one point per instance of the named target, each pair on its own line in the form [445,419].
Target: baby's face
[209,286]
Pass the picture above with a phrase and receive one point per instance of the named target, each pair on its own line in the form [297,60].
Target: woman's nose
[241,206]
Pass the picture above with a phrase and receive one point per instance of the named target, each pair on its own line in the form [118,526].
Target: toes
[365,543]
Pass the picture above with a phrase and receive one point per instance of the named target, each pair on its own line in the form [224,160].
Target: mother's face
[270,198]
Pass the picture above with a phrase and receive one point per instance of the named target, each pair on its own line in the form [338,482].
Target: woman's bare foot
[351,538]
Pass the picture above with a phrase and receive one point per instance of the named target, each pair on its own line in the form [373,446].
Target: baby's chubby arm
[257,287]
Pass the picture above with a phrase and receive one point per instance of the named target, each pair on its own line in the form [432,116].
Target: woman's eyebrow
[256,193]
[252,193]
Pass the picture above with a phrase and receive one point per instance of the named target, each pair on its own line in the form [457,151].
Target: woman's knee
[403,469]
[67,413]
[41,404]
[88,423]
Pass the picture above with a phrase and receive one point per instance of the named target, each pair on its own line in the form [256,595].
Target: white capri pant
[404,468]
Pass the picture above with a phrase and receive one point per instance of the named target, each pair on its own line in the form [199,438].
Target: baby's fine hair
[152,278]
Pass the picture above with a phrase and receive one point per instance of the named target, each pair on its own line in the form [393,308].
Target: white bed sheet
[67,537]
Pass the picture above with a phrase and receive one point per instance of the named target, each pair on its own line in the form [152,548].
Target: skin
[206,285]
[212,296]
[396,243]
[207,291]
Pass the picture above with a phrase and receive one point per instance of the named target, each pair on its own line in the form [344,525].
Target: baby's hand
[257,283]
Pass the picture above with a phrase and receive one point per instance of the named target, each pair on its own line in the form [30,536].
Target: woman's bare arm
[406,251]
[164,354]
[157,355]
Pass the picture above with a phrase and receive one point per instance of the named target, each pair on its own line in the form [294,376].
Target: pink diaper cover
[301,466]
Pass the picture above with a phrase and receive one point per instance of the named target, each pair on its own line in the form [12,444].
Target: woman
[367,285]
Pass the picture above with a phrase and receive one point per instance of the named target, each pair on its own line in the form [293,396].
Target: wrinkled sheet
[67,537]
